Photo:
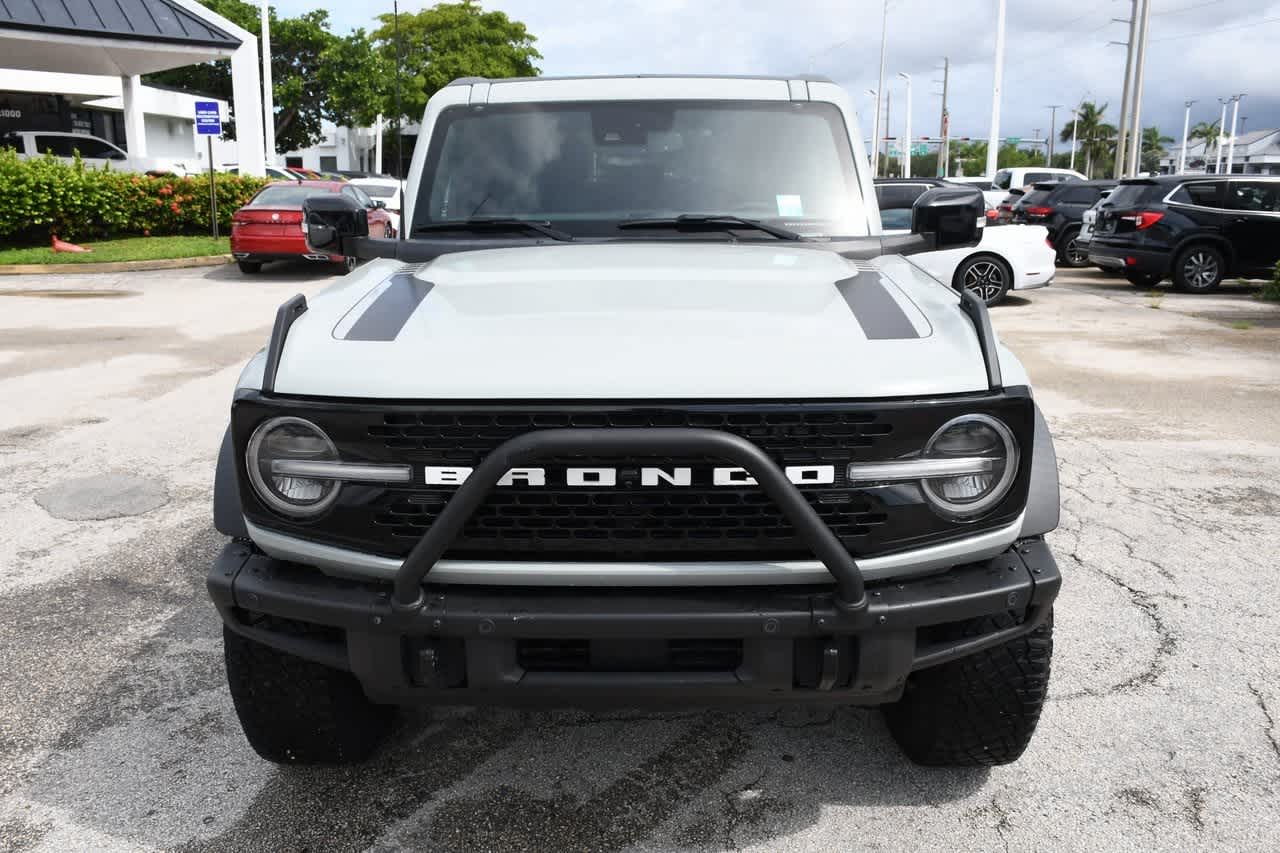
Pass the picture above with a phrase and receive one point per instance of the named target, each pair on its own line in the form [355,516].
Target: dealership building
[77,67]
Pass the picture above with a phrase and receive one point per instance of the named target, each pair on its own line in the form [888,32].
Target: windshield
[586,167]
[378,190]
[1002,180]
[285,195]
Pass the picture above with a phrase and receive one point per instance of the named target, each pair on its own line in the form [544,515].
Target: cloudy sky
[1057,52]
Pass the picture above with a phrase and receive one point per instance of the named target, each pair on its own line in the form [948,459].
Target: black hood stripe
[875,309]
[386,316]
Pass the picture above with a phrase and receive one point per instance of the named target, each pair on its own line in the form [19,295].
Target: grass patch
[1242,324]
[130,249]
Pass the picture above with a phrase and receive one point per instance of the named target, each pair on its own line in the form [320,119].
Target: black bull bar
[851,597]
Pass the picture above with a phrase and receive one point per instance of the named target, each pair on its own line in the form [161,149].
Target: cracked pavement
[117,733]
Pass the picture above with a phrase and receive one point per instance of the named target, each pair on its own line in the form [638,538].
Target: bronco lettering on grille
[597,477]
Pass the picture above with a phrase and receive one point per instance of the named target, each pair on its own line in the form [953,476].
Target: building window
[293,162]
[328,164]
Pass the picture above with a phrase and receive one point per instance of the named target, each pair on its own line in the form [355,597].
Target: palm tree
[1152,147]
[1094,135]
[1210,132]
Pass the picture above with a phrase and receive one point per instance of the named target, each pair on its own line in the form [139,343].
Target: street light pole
[1231,146]
[268,101]
[1053,132]
[1186,125]
[1139,72]
[1222,128]
[993,138]
[875,155]
[1075,121]
[906,153]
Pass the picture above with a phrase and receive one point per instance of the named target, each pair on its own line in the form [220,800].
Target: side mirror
[331,220]
[382,205]
[953,215]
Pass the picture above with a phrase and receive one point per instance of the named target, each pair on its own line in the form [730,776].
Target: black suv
[1059,206]
[1195,229]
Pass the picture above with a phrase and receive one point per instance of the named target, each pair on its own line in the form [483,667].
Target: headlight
[291,440]
[990,452]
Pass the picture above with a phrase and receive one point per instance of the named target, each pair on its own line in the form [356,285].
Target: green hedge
[44,196]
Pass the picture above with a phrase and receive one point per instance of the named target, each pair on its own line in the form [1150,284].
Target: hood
[619,321]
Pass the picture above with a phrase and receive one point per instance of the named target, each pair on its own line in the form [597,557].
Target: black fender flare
[227,516]
[1044,503]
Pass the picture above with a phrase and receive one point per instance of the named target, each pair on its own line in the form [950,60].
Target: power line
[1218,30]
[1190,8]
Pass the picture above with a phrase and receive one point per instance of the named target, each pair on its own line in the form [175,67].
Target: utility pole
[1186,125]
[875,155]
[906,152]
[1222,129]
[268,100]
[944,127]
[1075,121]
[888,114]
[1053,130]
[1231,146]
[993,138]
[1128,75]
[1139,72]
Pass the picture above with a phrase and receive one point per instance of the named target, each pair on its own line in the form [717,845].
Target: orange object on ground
[64,246]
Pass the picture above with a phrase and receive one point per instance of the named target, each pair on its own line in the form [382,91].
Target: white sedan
[1009,257]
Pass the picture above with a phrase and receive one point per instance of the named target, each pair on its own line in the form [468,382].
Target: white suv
[94,151]
[1023,176]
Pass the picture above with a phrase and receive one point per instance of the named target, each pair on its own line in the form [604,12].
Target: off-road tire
[294,711]
[250,267]
[1144,279]
[346,265]
[980,710]
[1199,268]
[1069,252]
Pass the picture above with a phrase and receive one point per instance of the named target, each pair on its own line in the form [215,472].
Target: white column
[993,138]
[135,127]
[246,100]
[376,168]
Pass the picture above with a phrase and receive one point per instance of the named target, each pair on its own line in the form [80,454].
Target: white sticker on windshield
[789,205]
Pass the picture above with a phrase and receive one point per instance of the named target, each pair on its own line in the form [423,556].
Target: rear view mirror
[332,219]
[954,216]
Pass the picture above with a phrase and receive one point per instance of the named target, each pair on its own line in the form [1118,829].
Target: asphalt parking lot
[117,733]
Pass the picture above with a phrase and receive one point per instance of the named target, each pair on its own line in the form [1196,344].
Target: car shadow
[275,271]
[155,755]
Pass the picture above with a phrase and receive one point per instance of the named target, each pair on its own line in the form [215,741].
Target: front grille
[628,521]
[629,655]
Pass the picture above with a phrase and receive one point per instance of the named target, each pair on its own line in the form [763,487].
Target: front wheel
[294,711]
[1071,252]
[980,710]
[1199,269]
[986,277]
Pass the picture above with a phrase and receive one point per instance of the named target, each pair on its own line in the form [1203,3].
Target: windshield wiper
[495,223]
[725,221]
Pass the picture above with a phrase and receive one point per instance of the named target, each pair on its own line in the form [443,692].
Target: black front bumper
[468,645]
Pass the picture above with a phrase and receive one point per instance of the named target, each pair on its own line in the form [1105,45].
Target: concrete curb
[116,266]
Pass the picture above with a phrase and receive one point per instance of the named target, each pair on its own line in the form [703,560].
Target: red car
[270,227]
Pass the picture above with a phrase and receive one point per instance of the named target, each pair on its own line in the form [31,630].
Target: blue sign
[208,121]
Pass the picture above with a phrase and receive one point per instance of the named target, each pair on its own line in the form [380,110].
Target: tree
[1210,132]
[1095,138]
[452,40]
[315,74]
[1153,144]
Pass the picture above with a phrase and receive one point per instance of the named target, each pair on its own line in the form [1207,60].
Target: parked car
[1021,177]
[1060,206]
[1195,229]
[1087,221]
[94,151]
[270,226]
[1014,258]
[1004,208]
[275,173]
[385,190]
